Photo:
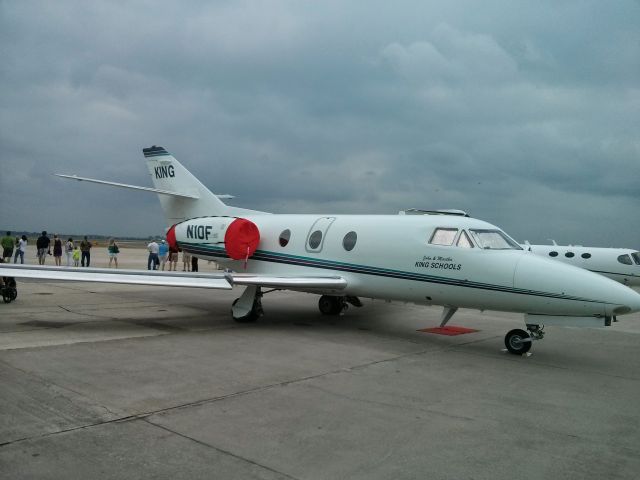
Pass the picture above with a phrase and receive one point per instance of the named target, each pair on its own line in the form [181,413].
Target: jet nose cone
[629,304]
[569,290]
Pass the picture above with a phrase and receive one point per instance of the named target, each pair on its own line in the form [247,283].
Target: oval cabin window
[586,255]
[553,254]
[314,239]
[284,237]
[569,254]
[349,241]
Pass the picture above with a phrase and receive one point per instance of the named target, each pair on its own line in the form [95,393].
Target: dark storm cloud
[526,114]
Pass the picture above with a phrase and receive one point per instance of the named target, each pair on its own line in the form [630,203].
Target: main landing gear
[334,305]
[248,308]
[518,341]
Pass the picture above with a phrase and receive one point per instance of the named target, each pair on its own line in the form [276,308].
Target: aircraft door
[317,234]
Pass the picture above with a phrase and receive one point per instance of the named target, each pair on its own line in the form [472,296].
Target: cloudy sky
[526,114]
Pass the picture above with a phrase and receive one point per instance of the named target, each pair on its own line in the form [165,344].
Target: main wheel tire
[252,316]
[517,342]
[330,305]
[248,318]
[6,295]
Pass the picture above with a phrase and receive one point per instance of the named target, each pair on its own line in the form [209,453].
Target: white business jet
[445,258]
[619,264]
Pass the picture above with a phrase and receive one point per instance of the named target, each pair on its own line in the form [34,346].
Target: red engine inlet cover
[171,237]
[241,239]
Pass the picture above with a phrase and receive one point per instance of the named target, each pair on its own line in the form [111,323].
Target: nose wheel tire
[517,342]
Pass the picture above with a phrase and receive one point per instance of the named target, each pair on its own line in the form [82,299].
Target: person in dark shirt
[42,244]
[194,263]
[85,248]
[57,250]
[173,257]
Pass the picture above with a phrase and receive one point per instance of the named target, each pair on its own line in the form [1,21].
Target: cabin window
[314,239]
[443,236]
[284,237]
[464,241]
[494,240]
[553,254]
[569,254]
[349,241]
[636,257]
[586,255]
[626,259]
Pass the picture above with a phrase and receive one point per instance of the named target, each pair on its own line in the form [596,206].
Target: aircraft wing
[288,282]
[223,280]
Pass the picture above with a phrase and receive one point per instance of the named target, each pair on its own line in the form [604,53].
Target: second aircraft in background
[619,264]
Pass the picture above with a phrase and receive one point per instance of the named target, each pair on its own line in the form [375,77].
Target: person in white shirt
[20,249]
[68,248]
[153,261]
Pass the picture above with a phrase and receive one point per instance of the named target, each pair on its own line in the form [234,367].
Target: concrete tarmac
[129,382]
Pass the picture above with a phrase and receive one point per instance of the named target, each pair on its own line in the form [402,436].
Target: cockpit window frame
[464,234]
[636,257]
[623,257]
[513,245]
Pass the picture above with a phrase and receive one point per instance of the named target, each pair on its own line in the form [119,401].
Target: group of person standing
[77,253]
[162,253]
[8,244]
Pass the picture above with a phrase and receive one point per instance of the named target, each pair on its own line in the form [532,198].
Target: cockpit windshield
[494,240]
[636,257]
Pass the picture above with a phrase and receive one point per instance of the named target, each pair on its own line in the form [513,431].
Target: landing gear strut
[518,341]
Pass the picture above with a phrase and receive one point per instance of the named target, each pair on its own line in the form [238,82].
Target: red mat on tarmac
[448,330]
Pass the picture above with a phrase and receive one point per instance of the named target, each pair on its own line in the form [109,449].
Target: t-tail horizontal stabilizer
[136,187]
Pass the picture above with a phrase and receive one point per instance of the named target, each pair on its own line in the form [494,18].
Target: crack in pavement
[218,449]
[197,403]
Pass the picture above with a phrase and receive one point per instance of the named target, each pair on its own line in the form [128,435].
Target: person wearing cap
[163,254]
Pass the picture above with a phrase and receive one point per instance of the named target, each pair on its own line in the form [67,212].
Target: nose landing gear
[518,342]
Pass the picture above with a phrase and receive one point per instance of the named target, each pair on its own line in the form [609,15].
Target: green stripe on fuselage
[378,271]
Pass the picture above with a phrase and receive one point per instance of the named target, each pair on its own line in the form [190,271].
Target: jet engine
[239,237]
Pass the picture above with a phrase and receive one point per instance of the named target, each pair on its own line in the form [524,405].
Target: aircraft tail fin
[196,200]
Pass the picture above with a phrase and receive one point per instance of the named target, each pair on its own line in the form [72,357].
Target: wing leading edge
[222,281]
